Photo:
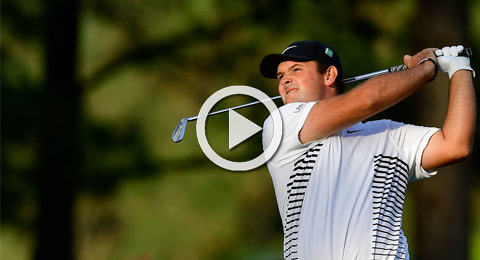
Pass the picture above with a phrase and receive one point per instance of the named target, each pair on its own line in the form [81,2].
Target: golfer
[340,184]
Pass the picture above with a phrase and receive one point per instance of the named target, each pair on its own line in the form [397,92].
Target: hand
[425,55]
[412,61]
[450,62]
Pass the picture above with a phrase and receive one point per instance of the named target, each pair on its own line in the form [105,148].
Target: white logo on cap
[288,49]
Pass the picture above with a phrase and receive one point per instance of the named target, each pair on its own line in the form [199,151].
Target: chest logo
[354,131]
[299,108]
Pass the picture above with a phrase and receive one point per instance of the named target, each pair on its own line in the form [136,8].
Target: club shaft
[366,76]
[233,108]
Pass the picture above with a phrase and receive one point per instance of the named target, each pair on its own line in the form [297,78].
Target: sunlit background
[91,91]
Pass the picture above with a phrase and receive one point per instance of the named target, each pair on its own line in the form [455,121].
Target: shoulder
[384,123]
[291,111]
[294,109]
[293,118]
[398,131]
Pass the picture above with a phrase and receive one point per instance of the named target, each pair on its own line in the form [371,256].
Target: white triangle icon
[239,128]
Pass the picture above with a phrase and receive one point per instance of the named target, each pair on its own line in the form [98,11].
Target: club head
[179,131]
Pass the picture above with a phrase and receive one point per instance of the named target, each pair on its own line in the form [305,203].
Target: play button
[239,128]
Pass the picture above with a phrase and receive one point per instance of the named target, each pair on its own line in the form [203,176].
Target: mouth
[291,91]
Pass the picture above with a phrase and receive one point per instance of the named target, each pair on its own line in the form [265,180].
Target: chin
[294,98]
[288,101]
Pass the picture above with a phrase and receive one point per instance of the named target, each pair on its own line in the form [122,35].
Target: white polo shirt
[342,197]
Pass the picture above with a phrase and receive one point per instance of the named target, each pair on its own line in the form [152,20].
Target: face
[300,82]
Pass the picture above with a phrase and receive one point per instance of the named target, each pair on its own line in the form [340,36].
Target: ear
[330,76]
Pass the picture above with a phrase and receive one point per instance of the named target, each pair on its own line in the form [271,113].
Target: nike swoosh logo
[288,49]
[354,131]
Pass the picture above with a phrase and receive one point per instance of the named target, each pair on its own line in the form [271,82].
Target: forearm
[453,142]
[384,92]
[459,123]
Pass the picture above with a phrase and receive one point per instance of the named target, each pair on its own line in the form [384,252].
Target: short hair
[322,68]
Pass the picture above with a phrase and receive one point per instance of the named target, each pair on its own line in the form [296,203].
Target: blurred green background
[91,91]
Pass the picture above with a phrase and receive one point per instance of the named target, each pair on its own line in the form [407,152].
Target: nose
[285,81]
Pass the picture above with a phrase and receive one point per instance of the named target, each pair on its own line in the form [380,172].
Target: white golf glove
[450,62]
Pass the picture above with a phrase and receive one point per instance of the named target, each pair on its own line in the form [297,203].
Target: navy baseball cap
[301,51]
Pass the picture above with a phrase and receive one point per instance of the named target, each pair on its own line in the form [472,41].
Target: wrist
[462,74]
[435,67]
[461,68]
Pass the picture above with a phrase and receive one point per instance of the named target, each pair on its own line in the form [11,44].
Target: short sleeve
[412,141]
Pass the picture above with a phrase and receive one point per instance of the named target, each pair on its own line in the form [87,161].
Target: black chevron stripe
[296,189]
[388,192]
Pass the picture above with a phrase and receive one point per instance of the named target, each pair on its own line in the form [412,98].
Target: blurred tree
[443,201]
[59,163]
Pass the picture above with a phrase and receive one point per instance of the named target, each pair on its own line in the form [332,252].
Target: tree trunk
[59,151]
[442,201]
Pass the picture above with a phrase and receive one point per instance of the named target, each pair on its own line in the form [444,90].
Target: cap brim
[269,64]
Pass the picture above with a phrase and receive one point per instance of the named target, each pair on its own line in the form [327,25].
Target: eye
[280,77]
[296,69]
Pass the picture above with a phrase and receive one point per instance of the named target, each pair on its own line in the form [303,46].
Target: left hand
[450,62]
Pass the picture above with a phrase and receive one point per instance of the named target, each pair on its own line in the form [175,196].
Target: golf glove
[450,62]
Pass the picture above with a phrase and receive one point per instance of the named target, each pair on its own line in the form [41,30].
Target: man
[340,184]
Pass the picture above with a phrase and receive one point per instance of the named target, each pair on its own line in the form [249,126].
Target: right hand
[412,61]
[450,62]
[423,56]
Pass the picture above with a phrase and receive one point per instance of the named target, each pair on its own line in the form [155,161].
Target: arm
[331,115]
[453,143]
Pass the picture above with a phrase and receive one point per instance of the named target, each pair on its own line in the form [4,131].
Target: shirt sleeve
[293,117]
[412,141]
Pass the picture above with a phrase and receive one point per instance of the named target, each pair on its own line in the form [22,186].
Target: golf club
[179,130]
